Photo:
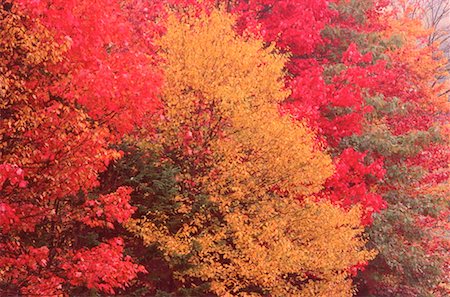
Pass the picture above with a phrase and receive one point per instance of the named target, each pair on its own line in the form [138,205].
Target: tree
[233,225]
[434,15]
[53,146]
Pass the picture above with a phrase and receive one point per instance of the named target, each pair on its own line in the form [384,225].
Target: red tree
[75,77]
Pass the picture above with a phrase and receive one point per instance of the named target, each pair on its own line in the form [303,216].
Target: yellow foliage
[17,36]
[254,237]
[279,246]
[241,82]
[426,64]
[26,49]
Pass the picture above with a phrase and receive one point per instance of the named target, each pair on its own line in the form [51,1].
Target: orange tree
[217,181]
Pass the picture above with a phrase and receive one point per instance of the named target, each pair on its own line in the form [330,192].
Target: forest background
[224,148]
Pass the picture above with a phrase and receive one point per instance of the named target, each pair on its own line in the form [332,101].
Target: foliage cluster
[226,148]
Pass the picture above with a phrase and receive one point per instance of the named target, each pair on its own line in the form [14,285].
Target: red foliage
[435,160]
[109,62]
[279,21]
[107,209]
[57,139]
[351,184]
[103,267]
[14,174]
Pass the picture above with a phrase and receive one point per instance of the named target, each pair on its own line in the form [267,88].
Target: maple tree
[52,148]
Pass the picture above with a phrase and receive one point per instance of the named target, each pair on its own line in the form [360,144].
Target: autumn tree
[55,139]
[232,225]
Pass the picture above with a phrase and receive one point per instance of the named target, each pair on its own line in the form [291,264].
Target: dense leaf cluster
[226,148]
